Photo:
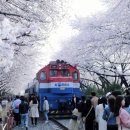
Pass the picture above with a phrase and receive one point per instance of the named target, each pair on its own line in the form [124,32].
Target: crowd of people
[110,112]
[23,109]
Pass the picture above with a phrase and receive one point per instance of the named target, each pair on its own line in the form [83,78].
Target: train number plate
[62,88]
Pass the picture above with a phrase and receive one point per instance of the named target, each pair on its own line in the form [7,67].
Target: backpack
[23,107]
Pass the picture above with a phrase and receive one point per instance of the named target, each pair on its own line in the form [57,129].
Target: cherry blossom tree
[98,44]
[24,27]
[101,49]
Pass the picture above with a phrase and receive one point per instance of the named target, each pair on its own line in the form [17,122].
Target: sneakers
[46,122]
[23,128]
[33,124]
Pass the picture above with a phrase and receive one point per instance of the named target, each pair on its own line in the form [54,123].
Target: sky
[65,30]
[85,8]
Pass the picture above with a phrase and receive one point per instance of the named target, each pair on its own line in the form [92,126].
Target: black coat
[91,116]
[23,108]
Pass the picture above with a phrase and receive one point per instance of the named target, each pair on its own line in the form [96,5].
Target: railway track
[53,124]
[61,126]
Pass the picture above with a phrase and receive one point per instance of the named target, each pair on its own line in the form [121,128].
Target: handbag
[84,119]
[74,117]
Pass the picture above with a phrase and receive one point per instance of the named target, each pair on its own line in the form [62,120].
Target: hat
[108,94]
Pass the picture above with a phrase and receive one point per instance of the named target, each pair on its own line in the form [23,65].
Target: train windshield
[65,73]
[53,73]
[75,76]
[42,76]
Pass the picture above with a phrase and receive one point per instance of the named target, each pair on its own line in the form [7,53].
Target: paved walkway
[42,126]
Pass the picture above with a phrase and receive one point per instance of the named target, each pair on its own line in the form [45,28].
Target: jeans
[46,115]
[24,120]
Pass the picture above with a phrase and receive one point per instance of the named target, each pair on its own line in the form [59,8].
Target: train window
[42,76]
[54,66]
[75,76]
[65,66]
[53,73]
[65,72]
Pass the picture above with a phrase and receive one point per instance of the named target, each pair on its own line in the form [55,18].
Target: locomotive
[59,81]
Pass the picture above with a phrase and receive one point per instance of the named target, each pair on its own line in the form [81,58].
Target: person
[108,95]
[108,114]
[4,102]
[1,125]
[74,102]
[34,113]
[127,102]
[127,91]
[23,110]
[76,124]
[15,107]
[45,109]
[99,113]
[82,103]
[123,117]
[31,97]
[116,93]
[96,117]
[88,114]
[94,99]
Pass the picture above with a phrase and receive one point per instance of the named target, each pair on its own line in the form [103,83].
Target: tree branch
[92,81]
[16,15]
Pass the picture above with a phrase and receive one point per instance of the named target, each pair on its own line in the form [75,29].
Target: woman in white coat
[76,124]
[102,124]
[34,113]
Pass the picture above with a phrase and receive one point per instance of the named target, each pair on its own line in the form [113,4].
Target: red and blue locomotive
[59,81]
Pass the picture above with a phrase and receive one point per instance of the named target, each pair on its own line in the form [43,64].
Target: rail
[5,127]
[59,124]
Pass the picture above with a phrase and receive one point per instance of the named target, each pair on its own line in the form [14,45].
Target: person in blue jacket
[109,116]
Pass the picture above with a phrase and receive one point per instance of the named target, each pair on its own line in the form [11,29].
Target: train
[59,81]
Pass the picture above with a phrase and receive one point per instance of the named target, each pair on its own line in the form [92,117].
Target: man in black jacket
[23,110]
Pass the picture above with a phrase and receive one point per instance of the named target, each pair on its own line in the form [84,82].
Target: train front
[59,81]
